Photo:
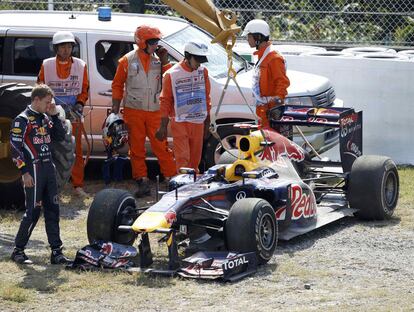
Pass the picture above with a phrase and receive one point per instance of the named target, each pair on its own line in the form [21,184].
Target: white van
[25,40]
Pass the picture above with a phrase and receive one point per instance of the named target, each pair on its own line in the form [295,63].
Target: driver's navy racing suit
[30,139]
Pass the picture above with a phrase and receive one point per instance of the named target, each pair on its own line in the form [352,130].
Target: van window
[1,55]
[217,58]
[108,53]
[29,53]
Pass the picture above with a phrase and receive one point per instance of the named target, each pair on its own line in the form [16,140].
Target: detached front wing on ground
[228,266]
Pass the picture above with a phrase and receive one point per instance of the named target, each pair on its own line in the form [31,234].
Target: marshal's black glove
[77,111]
[78,108]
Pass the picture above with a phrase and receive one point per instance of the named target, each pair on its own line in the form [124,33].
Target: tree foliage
[343,21]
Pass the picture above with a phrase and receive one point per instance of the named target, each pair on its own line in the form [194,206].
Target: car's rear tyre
[213,148]
[252,227]
[228,157]
[373,187]
[109,209]
[14,98]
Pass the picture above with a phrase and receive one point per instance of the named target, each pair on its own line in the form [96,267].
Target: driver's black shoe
[57,257]
[143,188]
[20,257]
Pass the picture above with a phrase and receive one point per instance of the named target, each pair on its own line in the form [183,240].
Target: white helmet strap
[259,38]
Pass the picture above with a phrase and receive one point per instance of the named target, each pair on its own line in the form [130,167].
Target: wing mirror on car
[184,170]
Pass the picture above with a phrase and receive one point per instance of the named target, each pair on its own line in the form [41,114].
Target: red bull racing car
[231,217]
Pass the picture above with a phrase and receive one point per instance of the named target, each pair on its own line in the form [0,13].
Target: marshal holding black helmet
[139,73]
[114,136]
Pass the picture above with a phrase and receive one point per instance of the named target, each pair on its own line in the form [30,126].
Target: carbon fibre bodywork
[268,189]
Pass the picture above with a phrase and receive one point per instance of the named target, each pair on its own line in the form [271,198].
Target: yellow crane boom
[221,24]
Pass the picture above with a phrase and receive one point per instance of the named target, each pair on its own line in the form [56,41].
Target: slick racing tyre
[373,187]
[228,157]
[213,148]
[111,208]
[252,227]
[14,98]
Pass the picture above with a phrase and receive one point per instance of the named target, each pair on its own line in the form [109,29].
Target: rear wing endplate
[347,120]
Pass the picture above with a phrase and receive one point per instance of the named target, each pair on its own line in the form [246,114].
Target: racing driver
[30,137]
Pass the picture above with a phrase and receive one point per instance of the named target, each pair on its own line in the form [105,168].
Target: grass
[279,284]
[14,293]
[406,200]
[290,267]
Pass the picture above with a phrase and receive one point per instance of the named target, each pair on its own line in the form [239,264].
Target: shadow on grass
[6,240]
[40,276]
[152,281]
[267,269]
[7,244]
[69,209]
[11,215]
[43,278]
[394,221]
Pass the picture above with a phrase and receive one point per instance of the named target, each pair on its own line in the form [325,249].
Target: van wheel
[14,98]
[213,148]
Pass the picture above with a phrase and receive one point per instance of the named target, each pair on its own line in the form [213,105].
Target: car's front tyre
[111,208]
[252,227]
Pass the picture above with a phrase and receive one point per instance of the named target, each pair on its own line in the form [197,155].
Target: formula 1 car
[269,189]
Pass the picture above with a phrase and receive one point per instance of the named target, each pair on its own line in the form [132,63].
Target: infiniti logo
[240,195]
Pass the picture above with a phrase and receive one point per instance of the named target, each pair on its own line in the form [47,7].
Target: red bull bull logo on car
[281,147]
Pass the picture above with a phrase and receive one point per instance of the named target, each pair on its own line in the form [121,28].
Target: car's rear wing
[348,122]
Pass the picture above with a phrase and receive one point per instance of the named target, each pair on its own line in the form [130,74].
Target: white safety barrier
[242,48]
[296,49]
[360,50]
[383,89]
[383,56]
[328,53]
[409,53]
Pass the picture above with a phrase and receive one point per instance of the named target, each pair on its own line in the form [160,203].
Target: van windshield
[217,60]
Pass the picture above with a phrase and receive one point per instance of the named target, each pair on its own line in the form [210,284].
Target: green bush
[405,35]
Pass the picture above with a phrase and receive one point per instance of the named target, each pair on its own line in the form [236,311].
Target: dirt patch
[348,265]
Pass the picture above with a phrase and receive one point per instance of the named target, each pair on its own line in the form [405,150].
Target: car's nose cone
[151,221]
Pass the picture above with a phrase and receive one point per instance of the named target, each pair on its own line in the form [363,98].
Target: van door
[104,51]
[2,60]
[27,50]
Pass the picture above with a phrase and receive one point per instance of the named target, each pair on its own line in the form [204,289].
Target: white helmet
[63,37]
[257,26]
[198,49]
[115,133]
